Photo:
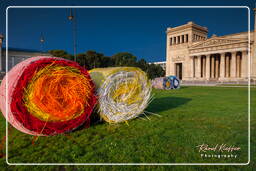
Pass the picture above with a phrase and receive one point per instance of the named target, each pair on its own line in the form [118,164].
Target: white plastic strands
[124,92]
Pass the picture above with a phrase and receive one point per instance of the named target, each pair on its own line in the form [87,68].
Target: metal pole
[74,35]
[72,18]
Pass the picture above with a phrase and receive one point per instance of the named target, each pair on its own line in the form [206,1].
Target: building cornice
[244,32]
[187,26]
[225,50]
[216,41]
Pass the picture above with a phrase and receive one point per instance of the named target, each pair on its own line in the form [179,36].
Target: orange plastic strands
[39,104]
[57,93]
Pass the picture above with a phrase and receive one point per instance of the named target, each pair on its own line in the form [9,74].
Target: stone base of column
[187,78]
[253,78]
[233,79]
[222,79]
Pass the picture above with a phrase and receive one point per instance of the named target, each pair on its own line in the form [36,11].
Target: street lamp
[42,42]
[72,18]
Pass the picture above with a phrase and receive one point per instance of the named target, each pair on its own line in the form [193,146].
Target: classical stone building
[192,56]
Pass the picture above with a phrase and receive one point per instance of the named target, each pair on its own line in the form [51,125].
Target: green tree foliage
[61,53]
[91,59]
[142,64]
[124,59]
[154,71]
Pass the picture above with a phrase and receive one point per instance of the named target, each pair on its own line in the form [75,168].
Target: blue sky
[108,31]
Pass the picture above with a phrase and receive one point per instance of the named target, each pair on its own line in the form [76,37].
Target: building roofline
[251,31]
[157,62]
[22,50]
[188,25]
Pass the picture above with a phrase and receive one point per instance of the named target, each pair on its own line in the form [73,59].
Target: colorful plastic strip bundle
[124,92]
[47,96]
[166,83]
[158,83]
[175,82]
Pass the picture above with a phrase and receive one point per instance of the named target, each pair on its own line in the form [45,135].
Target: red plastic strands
[47,96]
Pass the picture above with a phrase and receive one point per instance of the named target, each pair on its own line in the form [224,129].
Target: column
[227,66]
[244,62]
[212,67]
[195,66]
[198,67]
[222,65]
[238,65]
[192,67]
[207,67]
[217,67]
[203,66]
[233,65]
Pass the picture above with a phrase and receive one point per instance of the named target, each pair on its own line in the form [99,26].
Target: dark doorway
[179,70]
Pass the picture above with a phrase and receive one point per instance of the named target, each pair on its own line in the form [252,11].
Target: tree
[124,59]
[61,53]
[106,62]
[91,59]
[81,60]
[154,71]
[142,64]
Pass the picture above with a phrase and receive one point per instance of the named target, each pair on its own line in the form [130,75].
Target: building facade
[192,56]
[15,56]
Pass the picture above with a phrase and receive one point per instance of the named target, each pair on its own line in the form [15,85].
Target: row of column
[224,65]
[197,37]
[179,39]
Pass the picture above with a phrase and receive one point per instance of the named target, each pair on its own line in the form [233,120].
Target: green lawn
[189,117]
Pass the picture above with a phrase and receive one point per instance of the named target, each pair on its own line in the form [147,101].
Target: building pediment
[216,41]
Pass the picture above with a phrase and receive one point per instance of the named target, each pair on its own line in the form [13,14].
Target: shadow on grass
[94,120]
[165,103]
[156,106]
[183,87]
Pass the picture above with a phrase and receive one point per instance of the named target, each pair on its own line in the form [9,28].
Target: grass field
[188,117]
